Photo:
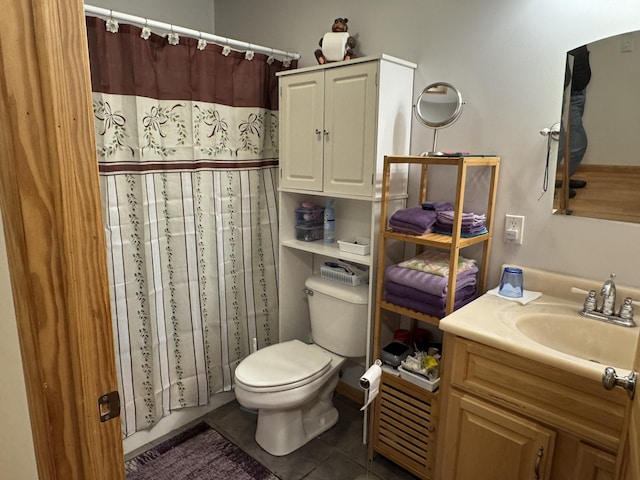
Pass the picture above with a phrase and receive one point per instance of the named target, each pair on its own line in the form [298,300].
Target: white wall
[507,58]
[17,454]
[196,14]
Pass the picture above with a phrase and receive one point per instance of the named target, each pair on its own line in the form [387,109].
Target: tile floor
[337,454]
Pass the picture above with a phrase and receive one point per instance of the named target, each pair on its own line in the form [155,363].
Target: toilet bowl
[291,383]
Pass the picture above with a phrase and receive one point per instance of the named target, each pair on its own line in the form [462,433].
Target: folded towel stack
[416,220]
[471,224]
[421,284]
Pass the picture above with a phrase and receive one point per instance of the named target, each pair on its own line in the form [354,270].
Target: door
[350,124]
[49,196]
[497,443]
[302,132]
[628,461]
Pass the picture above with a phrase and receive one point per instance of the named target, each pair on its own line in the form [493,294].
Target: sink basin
[588,339]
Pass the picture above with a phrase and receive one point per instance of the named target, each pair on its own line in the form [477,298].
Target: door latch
[109,406]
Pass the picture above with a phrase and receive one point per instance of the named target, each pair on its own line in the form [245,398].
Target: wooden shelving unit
[405,419]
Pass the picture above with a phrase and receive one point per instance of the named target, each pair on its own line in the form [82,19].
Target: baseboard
[351,392]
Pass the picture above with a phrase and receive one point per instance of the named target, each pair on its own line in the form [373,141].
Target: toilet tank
[338,316]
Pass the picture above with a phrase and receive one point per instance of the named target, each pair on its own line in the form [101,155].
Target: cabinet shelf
[328,250]
[407,312]
[436,240]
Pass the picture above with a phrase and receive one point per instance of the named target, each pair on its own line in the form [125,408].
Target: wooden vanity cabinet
[505,417]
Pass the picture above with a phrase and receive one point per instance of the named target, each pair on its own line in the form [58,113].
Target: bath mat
[199,453]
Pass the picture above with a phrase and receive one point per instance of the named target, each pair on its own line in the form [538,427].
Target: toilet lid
[282,364]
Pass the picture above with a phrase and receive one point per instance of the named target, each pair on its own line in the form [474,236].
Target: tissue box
[358,245]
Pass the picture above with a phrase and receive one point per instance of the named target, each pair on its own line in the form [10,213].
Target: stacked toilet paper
[370,383]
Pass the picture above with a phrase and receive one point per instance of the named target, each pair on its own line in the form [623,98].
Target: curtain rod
[105,12]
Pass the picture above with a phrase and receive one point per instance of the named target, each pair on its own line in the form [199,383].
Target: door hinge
[109,406]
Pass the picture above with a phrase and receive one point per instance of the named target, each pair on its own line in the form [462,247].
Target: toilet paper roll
[370,383]
[334,45]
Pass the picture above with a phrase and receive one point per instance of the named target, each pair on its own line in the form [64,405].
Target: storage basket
[337,275]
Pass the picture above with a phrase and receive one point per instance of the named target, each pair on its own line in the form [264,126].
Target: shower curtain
[187,140]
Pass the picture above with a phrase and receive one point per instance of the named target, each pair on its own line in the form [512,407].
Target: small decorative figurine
[337,44]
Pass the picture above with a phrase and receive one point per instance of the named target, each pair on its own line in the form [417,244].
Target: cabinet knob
[318,131]
[611,379]
[326,134]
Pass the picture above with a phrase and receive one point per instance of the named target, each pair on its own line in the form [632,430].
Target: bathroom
[505,57]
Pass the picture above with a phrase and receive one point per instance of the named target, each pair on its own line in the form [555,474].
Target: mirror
[601,114]
[438,106]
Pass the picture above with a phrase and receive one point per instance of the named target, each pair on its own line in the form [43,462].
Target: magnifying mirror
[438,106]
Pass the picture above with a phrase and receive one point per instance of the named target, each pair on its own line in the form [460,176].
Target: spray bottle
[329,222]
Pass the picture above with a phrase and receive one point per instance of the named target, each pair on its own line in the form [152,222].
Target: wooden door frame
[49,199]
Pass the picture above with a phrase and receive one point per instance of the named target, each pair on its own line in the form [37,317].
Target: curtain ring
[202,43]
[111,24]
[173,38]
[146,31]
[270,58]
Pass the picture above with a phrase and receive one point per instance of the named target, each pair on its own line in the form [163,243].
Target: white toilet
[291,383]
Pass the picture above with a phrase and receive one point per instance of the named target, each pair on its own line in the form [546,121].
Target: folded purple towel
[420,296]
[418,306]
[428,283]
[418,218]
[410,228]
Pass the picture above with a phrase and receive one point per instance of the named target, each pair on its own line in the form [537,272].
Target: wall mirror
[610,107]
[438,106]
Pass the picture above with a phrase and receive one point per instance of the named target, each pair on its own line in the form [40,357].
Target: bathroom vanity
[522,394]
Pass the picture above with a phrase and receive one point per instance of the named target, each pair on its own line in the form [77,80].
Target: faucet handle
[626,309]
[590,303]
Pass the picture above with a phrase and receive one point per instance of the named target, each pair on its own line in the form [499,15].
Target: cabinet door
[486,441]
[301,131]
[350,123]
[594,464]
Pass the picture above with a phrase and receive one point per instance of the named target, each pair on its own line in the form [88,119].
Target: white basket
[358,246]
[337,275]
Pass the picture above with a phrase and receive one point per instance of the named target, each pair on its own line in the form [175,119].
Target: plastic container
[419,380]
[340,276]
[358,245]
[329,222]
[309,233]
[309,215]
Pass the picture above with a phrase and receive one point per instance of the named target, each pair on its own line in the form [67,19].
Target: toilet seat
[282,366]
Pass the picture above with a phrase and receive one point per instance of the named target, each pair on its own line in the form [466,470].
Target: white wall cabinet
[337,122]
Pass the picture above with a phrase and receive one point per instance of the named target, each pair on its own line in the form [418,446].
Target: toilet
[291,383]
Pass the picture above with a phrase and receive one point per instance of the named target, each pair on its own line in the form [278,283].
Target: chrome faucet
[607,313]
[608,292]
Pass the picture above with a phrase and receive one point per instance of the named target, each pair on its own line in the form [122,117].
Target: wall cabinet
[519,419]
[337,121]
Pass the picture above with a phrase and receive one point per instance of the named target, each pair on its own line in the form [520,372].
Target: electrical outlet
[513,229]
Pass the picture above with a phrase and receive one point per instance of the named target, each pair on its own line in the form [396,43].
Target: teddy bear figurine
[338,44]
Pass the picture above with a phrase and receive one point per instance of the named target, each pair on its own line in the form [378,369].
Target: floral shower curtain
[187,141]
